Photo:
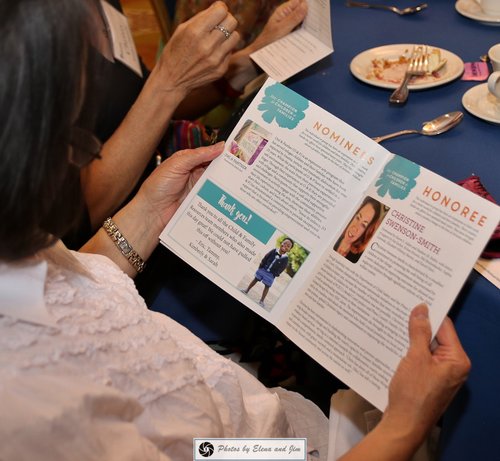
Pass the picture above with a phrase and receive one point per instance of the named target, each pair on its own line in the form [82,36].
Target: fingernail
[218,146]
[420,312]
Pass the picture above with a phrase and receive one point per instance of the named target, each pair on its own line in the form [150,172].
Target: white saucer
[471,9]
[481,103]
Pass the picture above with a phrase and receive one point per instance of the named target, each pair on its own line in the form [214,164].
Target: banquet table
[470,425]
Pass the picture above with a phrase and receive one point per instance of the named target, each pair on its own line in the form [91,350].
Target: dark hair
[360,244]
[289,239]
[43,75]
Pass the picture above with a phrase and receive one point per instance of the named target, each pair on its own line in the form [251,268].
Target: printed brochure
[329,236]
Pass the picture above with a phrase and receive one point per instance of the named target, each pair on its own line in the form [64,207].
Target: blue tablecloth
[470,429]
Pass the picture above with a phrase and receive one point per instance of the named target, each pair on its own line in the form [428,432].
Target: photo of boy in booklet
[249,142]
[275,262]
[360,230]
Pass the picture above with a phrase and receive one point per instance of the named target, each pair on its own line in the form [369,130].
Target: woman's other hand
[197,53]
[168,185]
[142,220]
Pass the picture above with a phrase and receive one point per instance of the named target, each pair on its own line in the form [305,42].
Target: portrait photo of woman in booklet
[360,230]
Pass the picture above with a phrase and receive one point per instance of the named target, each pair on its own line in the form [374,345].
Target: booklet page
[290,169]
[352,313]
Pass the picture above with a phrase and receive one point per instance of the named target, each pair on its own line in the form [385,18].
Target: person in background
[86,370]
[194,65]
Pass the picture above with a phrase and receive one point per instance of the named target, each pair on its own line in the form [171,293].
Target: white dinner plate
[362,66]
[472,10]
[481,103]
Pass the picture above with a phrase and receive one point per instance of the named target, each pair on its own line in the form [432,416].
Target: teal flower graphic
[398,178]
[284,105]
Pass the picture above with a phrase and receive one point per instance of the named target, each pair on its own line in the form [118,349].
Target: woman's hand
[145,216]
[426,381]
[197,54]
[170,182]
[424,384]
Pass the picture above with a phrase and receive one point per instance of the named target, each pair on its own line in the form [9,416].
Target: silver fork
[418,65]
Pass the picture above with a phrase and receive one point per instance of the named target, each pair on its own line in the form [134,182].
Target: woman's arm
[108,182]
[145,216]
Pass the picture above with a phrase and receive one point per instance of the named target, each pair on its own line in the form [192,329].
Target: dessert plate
[382,67]
[481,103]
[472,10]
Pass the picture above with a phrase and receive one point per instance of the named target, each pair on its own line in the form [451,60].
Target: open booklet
[329,236]
[311,42]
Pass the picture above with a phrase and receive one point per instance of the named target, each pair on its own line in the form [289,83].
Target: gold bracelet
[125,248]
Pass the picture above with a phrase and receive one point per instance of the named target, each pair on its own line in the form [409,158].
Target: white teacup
[494,84]
[491,7]
[494,55]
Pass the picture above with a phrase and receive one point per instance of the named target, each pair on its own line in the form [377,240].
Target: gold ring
[226,33]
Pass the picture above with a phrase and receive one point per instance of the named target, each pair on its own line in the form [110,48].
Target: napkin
[473,183]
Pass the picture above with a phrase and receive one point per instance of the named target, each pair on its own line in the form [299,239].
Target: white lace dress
[112,380]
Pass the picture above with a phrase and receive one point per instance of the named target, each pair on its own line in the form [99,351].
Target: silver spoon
[394,9]
[437,126]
